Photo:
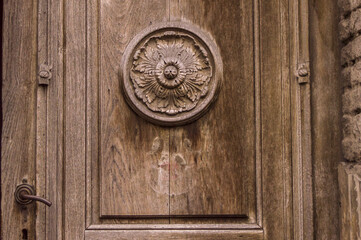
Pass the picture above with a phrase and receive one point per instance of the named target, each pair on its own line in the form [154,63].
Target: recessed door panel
[202,169]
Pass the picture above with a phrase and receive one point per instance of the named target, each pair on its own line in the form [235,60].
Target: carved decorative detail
[171,73]
[303,72]
[44,74]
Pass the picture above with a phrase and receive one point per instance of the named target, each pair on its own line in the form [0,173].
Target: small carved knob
[44,74]
[302,72]
[170,72]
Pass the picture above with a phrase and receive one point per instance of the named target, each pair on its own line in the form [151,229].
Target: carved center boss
[171,73]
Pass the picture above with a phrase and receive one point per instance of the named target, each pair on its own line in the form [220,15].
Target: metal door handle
[25,194]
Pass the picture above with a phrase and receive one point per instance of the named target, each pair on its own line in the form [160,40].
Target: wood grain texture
[175,234]
[121,172]
[49,147]
[133,151]
[349,178]
[121,169]
[92,114]
[191,226]
[301,124]
[213,159]
[74,123]
[286,71]
[53,55]
[19,115]
[326,116]
[276,128]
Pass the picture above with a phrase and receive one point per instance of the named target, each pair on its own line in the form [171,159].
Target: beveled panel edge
[174,227]
[303,209]
[257,81]
[92,116]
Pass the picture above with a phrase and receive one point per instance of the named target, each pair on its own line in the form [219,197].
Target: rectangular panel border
[93,129]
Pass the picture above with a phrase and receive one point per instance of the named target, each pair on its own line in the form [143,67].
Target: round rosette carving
[171,73]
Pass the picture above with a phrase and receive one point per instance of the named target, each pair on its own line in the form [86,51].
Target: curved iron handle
[25,194]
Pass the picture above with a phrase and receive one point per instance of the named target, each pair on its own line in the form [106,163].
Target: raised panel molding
[50,118]
[245,206]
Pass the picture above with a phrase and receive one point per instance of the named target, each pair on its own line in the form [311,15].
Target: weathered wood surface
[49,145]
[132,151]
[201,160]
[175,234]
[125,164]
[74,119]
[349,178]
[217,151]
[120,170]
[326,115]
[18,112]
[275,114]
[191,226]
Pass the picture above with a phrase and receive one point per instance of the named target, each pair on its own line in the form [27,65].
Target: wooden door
[239,170]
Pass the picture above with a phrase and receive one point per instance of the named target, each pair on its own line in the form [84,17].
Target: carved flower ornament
[171,72]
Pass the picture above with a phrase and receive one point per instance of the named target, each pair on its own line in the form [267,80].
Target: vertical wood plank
[133,152]
[219,148]
[276,129]
[55,120]
[41,119]
[92,113]
[41,158]
[75,124]
[285,68]
[19,114]
[326,87]
[271,92]
[301,124]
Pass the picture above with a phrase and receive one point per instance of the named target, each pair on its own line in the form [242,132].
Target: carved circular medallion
[171,73]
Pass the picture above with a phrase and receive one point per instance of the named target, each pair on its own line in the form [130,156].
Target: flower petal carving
[171,73]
